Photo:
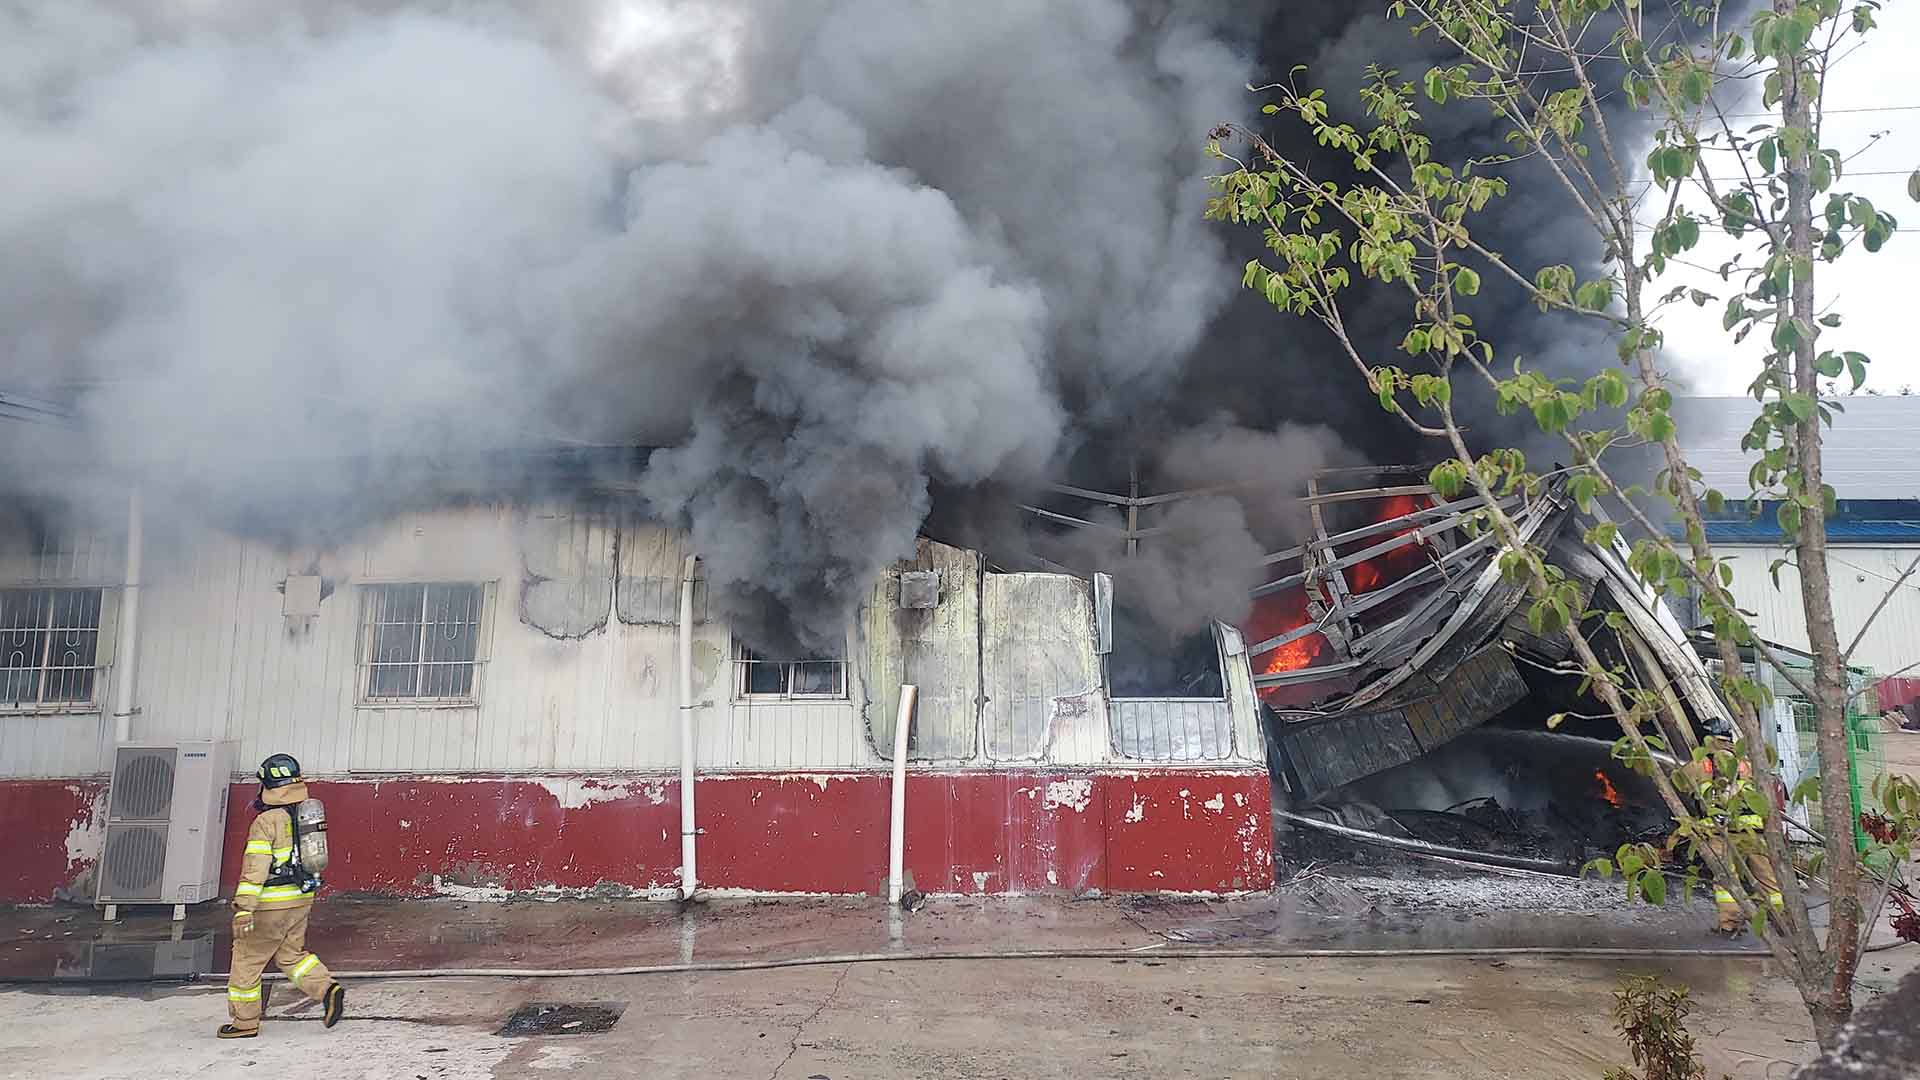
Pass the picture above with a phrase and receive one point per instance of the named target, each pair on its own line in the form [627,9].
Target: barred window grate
[49,646]
[421,641]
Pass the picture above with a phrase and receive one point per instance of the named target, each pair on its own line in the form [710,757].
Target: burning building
[488,694]
[861,274]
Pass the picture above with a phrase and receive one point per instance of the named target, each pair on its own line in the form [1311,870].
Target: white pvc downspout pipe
[126,649]
[689,876]
[897,839]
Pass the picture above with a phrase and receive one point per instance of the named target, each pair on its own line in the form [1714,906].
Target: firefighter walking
[278,880]
[1698,776]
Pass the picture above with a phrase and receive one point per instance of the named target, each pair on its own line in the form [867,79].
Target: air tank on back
[311,818]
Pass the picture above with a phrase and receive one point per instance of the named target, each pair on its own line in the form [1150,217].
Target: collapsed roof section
[1390,630]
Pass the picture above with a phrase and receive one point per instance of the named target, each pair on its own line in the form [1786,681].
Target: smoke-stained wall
[837,260]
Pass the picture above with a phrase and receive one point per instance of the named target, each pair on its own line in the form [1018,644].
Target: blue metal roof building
[1872,459]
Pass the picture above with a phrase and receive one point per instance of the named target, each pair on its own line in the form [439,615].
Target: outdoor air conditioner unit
[166,820]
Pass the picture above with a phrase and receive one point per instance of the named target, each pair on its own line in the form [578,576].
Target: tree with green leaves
[1398,209]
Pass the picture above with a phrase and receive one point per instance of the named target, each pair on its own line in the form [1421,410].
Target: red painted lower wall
[50,833]
[967,832]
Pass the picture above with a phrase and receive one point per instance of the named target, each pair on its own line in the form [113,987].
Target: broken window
[756,676]
[1145,662]
[49,646]
[421,642]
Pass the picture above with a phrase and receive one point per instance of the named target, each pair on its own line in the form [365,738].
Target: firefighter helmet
[279,771]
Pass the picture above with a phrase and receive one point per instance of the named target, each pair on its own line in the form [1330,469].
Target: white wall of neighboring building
[1861,576]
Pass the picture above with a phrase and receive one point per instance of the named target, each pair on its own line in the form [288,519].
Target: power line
[1830,112]
[1844,174]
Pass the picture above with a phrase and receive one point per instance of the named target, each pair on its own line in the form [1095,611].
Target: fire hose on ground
[1422,847]
[834,960]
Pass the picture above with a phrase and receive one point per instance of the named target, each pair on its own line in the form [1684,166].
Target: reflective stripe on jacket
[269,848]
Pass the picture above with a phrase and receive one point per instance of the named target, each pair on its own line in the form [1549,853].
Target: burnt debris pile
[1546,802]
[1408,694]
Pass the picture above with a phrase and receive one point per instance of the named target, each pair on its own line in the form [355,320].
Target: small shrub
[1652,1018]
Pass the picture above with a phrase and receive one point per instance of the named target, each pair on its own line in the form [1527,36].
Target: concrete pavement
[1142,1012]
[1484,1020]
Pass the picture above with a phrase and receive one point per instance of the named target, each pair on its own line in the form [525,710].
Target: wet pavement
[1469,912]
[1169,999]
[1528,1018]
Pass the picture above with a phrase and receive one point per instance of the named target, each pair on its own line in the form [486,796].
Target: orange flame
[1607,790]
[1383,570]
[1286,610]
[1275,615]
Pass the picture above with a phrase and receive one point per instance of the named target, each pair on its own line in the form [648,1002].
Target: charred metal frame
[1395,648]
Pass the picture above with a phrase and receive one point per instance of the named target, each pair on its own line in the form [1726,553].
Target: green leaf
[1769,154]
[1612,388]
[1583,488]
[1437,86]
[1447,478]
[1466,282]
[1800,405]
[1686,232]
[1653,886]
[1594,295]
[1857,367]
[1659,427]
[1913,186]
[1821,171]
[1789,518]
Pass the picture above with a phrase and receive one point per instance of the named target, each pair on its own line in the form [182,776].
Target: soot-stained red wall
[968,832]
[49,838]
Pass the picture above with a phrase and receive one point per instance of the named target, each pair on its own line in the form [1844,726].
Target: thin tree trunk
[1841,955]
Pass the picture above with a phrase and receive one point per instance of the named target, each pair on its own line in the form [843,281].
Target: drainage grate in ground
[563,1018]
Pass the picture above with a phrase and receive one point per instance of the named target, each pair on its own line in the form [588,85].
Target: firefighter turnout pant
[279,935]
[1766,887]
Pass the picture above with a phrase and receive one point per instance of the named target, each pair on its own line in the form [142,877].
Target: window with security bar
[762,678]
[49,646]
[420,643]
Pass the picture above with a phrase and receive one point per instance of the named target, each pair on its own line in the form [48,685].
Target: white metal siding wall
[221,661]
[1861,576]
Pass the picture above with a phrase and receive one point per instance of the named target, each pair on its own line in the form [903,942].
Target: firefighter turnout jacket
[269,879]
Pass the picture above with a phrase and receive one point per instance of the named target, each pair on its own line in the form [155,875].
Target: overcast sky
[1875,294]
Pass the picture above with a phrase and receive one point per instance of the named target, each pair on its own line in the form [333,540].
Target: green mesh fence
[1866,751]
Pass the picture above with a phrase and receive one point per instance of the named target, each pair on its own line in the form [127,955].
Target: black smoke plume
[839,264]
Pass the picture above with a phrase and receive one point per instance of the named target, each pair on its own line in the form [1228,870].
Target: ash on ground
[1351,891]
